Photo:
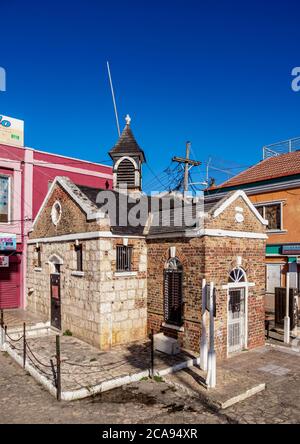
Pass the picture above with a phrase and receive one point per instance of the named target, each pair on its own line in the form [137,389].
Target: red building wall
[32,172]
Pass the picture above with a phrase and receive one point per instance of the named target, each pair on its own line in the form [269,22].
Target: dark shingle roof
[127,144]
[163,221]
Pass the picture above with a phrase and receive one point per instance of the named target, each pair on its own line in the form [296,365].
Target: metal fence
[51,369]
[282,147]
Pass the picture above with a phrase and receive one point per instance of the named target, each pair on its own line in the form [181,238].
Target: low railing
[19,343]
[51,368]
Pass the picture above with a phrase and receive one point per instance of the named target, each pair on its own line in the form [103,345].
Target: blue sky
[217,73]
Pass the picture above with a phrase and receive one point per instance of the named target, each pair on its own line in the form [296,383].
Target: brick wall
[212,257]
[191,254]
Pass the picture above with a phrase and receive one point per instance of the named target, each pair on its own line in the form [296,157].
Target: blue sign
[291,249]
[8,242]
[5,123]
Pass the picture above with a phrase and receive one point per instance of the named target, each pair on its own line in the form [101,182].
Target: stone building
[110,282]
[227,250]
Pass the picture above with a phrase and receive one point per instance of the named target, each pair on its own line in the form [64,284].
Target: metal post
[211,362]
[203,344]
[24,345]
[287,307]
[58,374]
[152,354]
[1,329]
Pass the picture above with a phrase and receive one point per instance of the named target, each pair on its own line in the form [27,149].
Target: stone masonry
[100,306]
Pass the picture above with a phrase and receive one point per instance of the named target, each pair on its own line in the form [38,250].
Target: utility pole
[188,164]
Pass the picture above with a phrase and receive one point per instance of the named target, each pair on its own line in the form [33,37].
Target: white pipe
[211,379]
[287,317]
[203,342]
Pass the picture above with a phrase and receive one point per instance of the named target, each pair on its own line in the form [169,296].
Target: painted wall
[31,173]
[291,214]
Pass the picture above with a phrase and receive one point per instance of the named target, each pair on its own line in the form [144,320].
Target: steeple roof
[127,144]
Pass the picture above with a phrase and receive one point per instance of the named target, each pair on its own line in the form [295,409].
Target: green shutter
[273,249]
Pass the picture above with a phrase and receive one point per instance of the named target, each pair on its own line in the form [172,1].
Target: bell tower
[127,158]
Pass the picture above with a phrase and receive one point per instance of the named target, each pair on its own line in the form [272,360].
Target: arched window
[126,174]
[237,275]
[173,299]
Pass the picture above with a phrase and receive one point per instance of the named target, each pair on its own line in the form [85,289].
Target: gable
[73,218]
[236,214]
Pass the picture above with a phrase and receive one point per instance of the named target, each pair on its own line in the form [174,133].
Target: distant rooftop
[270,168]
[282,147]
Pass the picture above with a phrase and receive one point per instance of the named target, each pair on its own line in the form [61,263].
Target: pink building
[25,175]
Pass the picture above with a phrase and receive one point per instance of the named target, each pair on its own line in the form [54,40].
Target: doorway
[236,320]
[55,293]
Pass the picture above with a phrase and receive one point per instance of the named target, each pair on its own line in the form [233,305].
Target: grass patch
[157,378]
[67,333]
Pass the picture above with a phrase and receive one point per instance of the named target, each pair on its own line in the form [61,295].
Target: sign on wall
[8,242]
[4,261]
[11,131]
[291,249]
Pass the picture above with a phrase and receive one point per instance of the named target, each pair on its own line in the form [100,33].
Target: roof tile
[271,168]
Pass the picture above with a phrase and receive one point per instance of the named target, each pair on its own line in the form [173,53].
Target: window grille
[237,275]
[124,258]
[173,298]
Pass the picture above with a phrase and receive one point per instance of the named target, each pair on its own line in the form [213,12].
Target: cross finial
[128,119]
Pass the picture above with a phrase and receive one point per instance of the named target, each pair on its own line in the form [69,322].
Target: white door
[236,320]
[273,277]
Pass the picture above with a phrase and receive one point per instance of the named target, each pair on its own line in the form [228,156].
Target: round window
[56,212]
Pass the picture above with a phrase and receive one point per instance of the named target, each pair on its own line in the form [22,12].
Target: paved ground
[16,318]
[83,365]
[22,400]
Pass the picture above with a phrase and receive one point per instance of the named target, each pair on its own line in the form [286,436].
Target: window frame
[173,267]
[9,218]
[270,204]
[39,257]
[129,250]
[79,257]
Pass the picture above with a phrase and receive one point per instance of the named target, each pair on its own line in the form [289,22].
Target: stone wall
[73,219]
[101,307]
[123,307]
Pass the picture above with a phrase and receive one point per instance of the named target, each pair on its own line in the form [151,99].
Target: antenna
[113,97]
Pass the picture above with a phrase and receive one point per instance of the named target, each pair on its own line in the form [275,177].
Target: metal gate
[55,301]
[236,320]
